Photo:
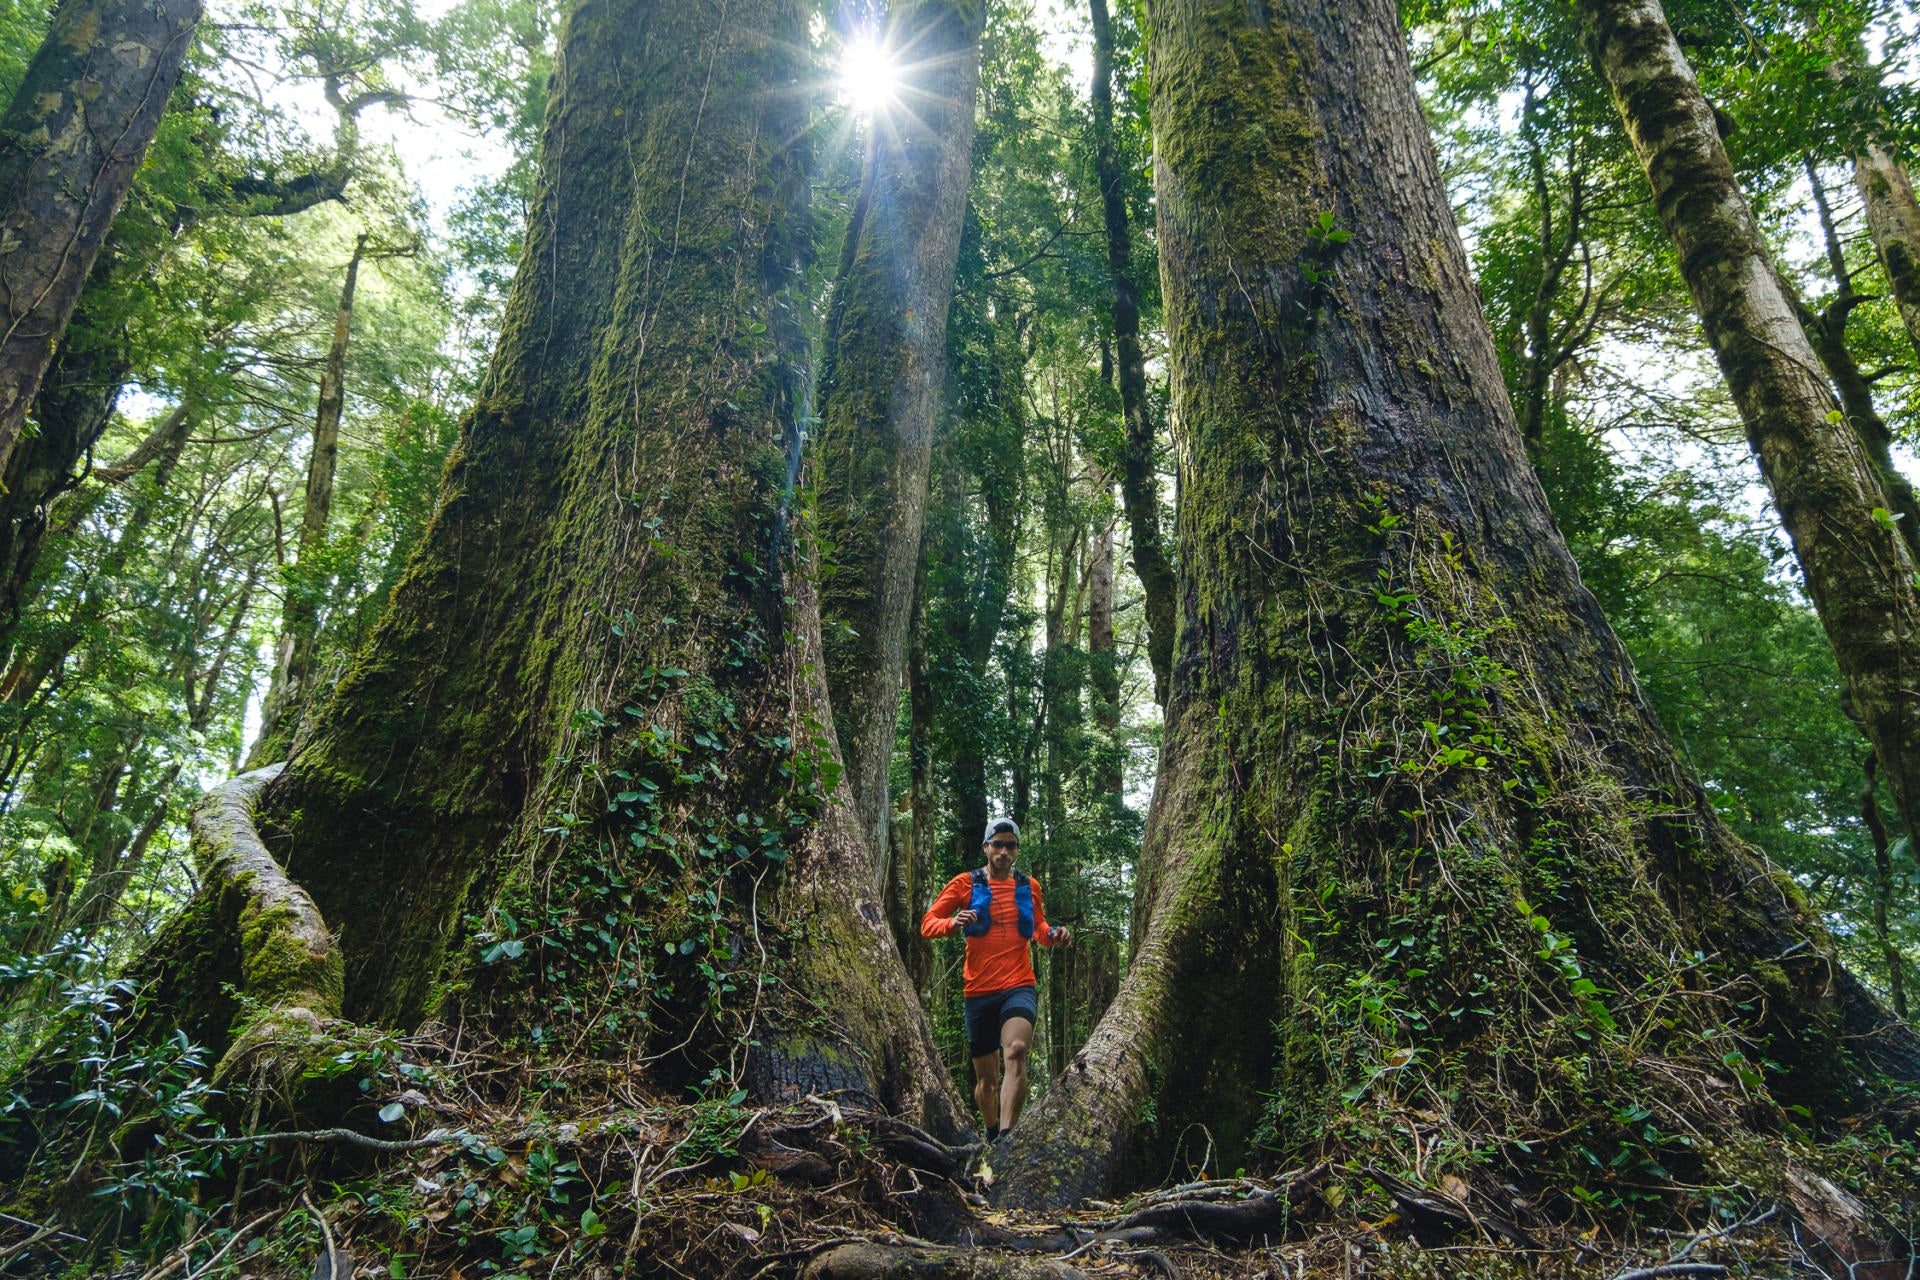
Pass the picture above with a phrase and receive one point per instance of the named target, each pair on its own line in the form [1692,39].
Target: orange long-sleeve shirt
[1000,960]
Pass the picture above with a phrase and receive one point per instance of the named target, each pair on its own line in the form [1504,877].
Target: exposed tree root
[821,1189]
[1234,1214]
[290,974]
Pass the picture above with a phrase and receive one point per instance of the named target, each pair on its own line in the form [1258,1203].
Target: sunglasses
[1003,844]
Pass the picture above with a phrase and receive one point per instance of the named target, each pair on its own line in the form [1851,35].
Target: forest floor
[594,1173]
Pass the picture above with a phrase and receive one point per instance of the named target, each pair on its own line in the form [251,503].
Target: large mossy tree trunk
[1857,568]
[593,702]
[882,374]
[79,125]
[1417,839]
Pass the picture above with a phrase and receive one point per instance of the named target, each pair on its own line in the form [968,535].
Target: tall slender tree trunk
[910,835]
[599,673]
[973,612]
[32,665]
[1883,888]
[1139,483]
[116,864]
[1858,570]
[1827,330]
[1103,661]
[882,374]
[1545,350]
[288,690]
[77,129]
[1416,836]
[1893,220]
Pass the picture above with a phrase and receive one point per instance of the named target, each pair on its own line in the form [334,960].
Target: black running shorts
[986,1014]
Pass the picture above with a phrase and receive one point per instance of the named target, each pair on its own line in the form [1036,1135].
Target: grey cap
[998,825]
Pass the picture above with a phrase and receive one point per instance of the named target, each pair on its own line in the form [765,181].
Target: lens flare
[869,76]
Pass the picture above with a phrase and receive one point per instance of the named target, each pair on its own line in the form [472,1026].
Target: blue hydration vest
[982,904]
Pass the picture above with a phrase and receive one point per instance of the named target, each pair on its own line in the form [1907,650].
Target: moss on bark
[70,141]
[882,373]
[1859,571]
[1417,840]
[562,781]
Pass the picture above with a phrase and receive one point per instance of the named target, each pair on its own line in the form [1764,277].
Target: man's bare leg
[1016,1034]
[986,1088]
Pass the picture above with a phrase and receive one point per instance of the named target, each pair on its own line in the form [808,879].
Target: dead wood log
[867,1261]
[1200,1215]
[1424,1206]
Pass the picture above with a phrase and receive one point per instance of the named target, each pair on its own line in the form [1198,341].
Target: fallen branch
[869,1261]
[438,1137]
[1742,1225]
[41,1233]
[59,1231]
[1263,1214]
[1673,1269]
[232,1240]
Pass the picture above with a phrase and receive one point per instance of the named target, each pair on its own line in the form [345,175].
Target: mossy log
[1417,839]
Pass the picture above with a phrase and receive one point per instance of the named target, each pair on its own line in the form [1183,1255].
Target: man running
[999,912]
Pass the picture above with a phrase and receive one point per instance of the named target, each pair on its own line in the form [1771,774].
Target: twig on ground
[232,1240]
[1156,1257]
[437,1137]
[28,1222]
[1673,1269]
[1742,1225]
[40,1233]
[326,1232]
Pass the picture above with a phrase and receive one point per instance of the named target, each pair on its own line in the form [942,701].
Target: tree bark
[1827,331]
[1139,483]
[599,672]
[1403,747]
[1546,350]
[287,691]
[882,373]
[1893,221]
[78,127]
[1103,664]
[910,869]
[1883,888]
[971,606]
[1857,570]
[74,406]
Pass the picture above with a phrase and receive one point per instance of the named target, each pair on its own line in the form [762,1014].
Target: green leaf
[393,1111]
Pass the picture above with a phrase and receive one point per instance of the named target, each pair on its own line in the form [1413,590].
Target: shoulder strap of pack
[979,875]
[1019,879]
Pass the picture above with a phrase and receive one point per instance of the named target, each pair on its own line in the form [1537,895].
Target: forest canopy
[534,538]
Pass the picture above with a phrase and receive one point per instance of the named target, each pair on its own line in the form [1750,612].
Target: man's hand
[1059,935]
[965,918]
